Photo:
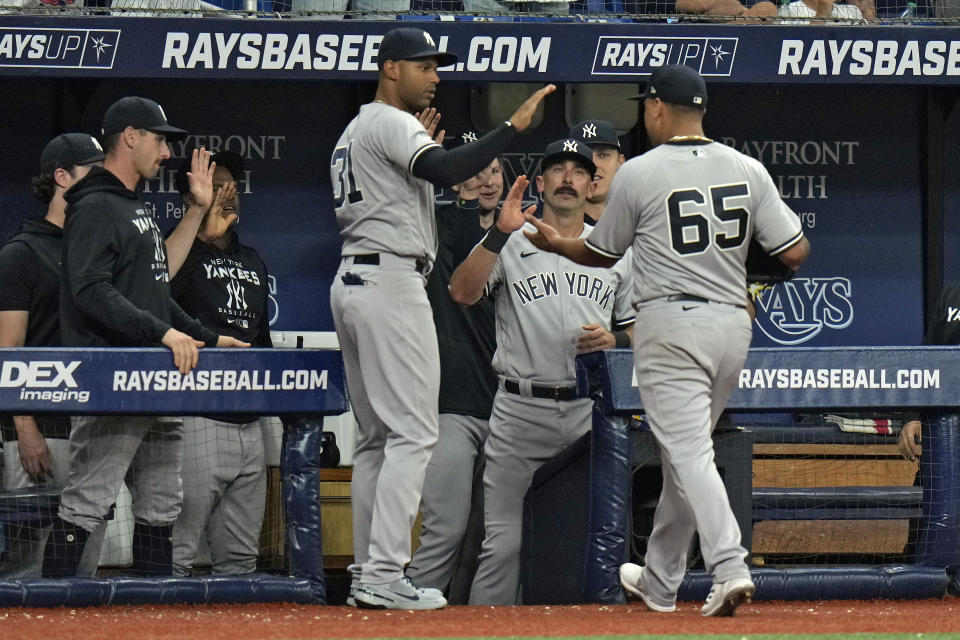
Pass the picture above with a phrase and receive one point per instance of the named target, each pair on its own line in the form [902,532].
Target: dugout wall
[862,146]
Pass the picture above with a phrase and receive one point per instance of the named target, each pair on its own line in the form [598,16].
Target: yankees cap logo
[162,113]
[571,145]
[469,136]
[426,36]
[96,144]
[590,130]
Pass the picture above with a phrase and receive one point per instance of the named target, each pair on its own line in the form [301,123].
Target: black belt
[685,297]
[542,391]
[421,264]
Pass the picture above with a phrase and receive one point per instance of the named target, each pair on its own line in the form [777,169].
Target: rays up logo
[58,48]
[641,55]
[791,313]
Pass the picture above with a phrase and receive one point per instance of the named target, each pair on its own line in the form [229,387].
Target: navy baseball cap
[409,43]
[229,160]
[139,113]
[596,133]
[676,84]
[464,137]
[568,149]
[68,150]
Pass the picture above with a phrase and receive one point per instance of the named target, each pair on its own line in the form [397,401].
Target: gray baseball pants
[446,502]
[688,356]
[23,556]
[224,495]
[524,433]
[389,344]
[105,451]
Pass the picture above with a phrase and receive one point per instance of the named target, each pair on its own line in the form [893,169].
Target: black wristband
[494,240]
[621,340]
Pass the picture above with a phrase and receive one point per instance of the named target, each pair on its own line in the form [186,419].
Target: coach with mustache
[548,310]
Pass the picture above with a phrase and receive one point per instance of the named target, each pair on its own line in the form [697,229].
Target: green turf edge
[710,636]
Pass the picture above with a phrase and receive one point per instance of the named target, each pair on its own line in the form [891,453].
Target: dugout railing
[845,379]
[300,385]
[305,384]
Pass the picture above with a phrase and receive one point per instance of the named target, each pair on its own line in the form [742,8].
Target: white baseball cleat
[725,597]
[399,594]
[631,577]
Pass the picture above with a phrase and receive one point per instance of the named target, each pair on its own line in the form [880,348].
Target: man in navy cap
[35,448]
[223,283]
[547,310]
[382,171]
[601,136]
[115,292]
[687,210]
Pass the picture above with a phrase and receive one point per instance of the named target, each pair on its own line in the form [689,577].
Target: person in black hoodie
[115,292]
[35,448]
[223,283]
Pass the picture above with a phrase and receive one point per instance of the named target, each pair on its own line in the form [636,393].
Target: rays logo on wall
[791,313]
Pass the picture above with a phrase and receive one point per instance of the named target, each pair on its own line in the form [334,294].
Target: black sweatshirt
[466,336]
[115,290]
[226,290]
[30,281]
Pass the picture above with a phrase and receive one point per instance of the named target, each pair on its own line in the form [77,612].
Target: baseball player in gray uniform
[688,208]
[548,310]
[381,170]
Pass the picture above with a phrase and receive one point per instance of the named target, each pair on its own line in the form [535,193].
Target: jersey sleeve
[401,138]
[615,230]
[623,312]
[776,226]
[496,277]
[16,276]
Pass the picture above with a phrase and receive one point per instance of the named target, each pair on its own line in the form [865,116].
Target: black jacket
[466,336]
[115,290]
[944,327]
[30,281]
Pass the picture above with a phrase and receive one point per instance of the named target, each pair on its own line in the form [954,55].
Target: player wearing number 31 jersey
[381,170]
[689,208]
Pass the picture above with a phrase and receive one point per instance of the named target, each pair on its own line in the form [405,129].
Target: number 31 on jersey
[345,186]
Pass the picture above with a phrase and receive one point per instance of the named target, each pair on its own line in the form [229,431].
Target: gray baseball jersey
[543,301]
[693,239]
[386,331]
[689,208]
[381,206]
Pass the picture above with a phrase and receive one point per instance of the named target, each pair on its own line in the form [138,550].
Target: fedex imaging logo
[791,313]
[58,48]
[640,56]
[43,380]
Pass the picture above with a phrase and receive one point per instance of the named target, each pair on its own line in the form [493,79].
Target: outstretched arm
[447,168]
[574,249]
[180,240]
[470,278]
